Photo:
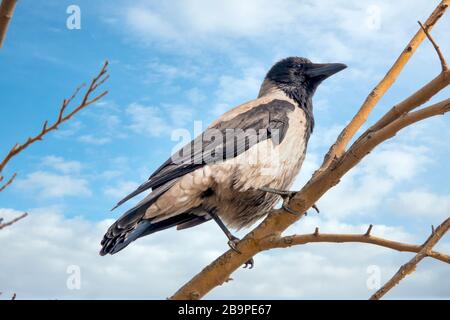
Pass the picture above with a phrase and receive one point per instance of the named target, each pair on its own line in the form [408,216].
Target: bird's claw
[291,211]
[287,195]
[250,263]
[232,243]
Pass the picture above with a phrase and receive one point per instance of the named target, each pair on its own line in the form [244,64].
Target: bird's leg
[286,195]
[232,240]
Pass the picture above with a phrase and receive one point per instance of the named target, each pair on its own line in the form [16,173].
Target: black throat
[304,101]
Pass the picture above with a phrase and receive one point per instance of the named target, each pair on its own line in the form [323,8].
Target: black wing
[268,120]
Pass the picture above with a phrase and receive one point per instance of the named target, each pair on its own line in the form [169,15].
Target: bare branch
[288,241]
[7,183]
[410,266]
[338,148]
[415,100]
[7,224]
[86,101]
[6,12]
[436,47]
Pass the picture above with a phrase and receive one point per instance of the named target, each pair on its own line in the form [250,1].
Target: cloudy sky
[174,63]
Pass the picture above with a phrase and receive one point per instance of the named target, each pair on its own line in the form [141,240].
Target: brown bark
[336,164]
[6,12]
[7,224]
[410,266]
[383,86]
[316,237]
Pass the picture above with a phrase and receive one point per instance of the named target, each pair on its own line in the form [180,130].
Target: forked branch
[410,266]
[436,47]
[62,117]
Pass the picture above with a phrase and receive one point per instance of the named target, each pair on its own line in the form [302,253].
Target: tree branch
[436,47]
[7,224]
[336,164]
[86,101]
[6,12]
[293,240]
[381,88]
[410,266]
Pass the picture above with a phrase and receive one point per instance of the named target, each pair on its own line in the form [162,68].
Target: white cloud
[147,120]
[95,140]
[62,165]
[37,251]
[179,114]
[371,183]
[158,121]
[195,96]
[51,185]
[324,29]
[233,90]
[120,190]
[69,129]
[421,203]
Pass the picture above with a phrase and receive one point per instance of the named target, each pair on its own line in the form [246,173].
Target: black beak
[321,71]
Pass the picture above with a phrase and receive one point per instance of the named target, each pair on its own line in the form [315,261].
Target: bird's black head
[299,77]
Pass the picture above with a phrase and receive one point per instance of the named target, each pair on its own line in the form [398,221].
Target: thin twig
[7,224]
[410,266]
[4,186]
[61,118]
[436,47]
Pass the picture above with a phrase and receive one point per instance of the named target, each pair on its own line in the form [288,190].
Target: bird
[235,171]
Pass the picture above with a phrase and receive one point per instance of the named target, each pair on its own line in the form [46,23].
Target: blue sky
[173,64]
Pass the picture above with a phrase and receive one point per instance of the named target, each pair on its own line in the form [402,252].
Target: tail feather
[132,225]
[126,230]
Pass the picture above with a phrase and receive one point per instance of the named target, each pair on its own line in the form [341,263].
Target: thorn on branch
[367,234]
[316,232]
[315,208]
[432,230]
[436,47]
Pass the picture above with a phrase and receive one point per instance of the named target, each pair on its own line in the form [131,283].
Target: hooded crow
[230,173]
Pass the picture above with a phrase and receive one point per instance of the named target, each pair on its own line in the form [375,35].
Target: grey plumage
[222,176]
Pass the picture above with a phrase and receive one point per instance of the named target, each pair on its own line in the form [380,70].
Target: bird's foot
[233,245]
[286,195]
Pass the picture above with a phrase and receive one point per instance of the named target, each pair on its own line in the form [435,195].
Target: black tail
[131,226]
